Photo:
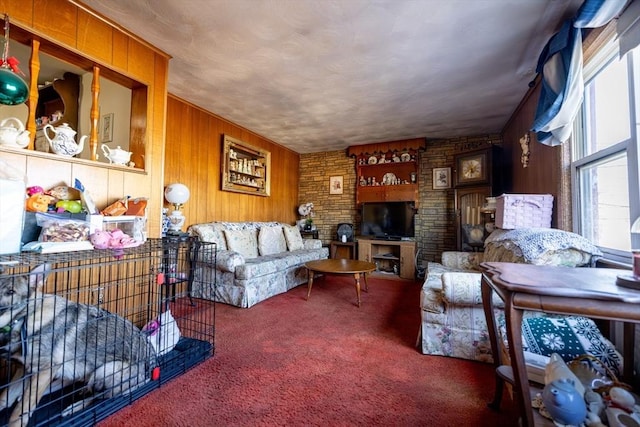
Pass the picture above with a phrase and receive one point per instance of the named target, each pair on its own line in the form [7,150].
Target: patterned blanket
[533,242]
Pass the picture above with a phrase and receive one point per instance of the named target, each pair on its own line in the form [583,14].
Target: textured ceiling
[320,75]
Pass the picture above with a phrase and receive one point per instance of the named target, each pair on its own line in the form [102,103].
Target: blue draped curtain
[560,67]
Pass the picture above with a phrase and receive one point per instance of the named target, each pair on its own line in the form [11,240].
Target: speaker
[345,229]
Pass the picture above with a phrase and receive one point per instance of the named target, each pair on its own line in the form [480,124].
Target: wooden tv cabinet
[387,254]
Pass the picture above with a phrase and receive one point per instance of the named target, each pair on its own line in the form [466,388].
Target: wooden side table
[313,234]
[343,250]
[590,292]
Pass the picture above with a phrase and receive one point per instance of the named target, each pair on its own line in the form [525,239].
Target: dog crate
[84,334]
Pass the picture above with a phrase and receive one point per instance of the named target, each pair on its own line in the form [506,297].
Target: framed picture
[335,185]
[107,128]
[441,178]
[472,168]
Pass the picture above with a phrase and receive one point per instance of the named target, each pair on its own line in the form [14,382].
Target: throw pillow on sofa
[271,241]
[245,242]
[293,237]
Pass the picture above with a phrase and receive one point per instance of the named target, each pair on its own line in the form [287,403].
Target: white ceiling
[320,75]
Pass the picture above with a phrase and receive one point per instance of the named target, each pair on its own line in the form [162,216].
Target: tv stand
[387,254]
[388,238]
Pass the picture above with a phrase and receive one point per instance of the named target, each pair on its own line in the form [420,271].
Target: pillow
[293,237]
[271,241]
[245,242]
[210,232]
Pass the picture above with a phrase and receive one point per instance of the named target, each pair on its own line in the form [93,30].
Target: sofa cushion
[293,237]
[245,242]
[271,240]
[210,232]
[540,246]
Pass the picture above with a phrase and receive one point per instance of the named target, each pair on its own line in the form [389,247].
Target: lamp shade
[177,193]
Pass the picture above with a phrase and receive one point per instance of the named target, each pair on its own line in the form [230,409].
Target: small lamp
[177,194]
[13,89]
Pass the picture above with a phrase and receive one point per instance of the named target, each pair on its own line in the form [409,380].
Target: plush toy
[38,203]
[100,239]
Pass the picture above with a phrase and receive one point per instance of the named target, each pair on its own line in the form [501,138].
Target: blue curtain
[560,66]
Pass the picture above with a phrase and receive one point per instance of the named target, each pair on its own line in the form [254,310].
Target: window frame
[630,147]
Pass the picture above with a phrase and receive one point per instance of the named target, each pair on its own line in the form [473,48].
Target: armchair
[453,321]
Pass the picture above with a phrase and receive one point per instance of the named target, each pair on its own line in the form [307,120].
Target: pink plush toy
[114,239]
[100,239]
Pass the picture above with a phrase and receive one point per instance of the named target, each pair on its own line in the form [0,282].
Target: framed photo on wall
[107,128]
[335,185]
[441,178]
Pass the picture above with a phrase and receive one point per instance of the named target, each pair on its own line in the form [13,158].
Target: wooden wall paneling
[120,50]
[143,67]
[20,10]
[58,19]
[95,37]
[194,138]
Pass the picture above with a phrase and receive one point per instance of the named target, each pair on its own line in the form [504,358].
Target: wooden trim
[383,147]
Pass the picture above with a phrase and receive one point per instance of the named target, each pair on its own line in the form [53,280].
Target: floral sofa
[453,321]
[255,260]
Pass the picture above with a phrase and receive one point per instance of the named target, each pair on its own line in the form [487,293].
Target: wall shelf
[245,168]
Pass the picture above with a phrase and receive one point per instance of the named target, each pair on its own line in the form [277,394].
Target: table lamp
[177,194]
[13,89]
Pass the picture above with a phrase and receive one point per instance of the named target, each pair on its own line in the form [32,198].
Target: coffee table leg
[366,285]
[310,283]
[357,277]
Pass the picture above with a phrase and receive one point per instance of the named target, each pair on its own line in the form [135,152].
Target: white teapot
[12,133]
[63,143]
[116,155]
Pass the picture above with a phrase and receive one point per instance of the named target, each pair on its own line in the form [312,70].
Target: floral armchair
[453,321]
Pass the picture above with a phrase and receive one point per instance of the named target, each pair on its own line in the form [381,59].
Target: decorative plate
[389,178]
[373,160]
[405,157]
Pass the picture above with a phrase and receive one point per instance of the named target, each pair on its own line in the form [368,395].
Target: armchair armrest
[463,289]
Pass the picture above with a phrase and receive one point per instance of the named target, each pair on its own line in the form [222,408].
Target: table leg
[309,283]
[366,285]
[357,277]
[513,319]
[489,314]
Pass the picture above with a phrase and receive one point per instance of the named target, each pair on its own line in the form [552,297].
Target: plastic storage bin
[524,210]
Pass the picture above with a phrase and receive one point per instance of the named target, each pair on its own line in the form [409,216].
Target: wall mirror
[106,106]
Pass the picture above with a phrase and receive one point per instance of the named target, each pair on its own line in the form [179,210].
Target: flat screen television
[388,220]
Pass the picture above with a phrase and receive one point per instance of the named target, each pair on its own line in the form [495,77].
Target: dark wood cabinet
[478,174]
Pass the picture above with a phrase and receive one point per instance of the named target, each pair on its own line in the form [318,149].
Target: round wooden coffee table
[340,266]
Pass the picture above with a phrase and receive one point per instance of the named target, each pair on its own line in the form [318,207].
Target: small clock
[472,168]
[345,229]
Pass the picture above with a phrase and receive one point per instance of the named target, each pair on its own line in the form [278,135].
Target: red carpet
[323,362]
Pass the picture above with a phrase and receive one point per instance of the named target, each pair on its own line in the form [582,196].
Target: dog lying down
[55,339]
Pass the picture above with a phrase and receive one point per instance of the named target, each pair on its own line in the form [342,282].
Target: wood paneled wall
[80,30]
[193,157]
[545,173]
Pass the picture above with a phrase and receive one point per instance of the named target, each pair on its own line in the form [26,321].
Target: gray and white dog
[54,338]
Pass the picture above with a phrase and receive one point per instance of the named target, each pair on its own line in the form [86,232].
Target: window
[605,153]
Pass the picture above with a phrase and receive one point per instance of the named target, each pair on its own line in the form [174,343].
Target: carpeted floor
[323,362]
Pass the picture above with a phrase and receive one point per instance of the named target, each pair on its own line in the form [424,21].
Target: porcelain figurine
[116,155]
[63,143]
[564,403]
[13,134]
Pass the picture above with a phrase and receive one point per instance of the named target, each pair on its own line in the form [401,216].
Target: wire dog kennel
[84,334]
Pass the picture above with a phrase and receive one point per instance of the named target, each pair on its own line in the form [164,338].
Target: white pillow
[245,242]
[271,241]
[293,237]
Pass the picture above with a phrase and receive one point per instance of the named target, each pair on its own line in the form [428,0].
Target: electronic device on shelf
[388,220]
[345,229]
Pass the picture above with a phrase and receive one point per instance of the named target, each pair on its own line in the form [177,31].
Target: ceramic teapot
[116,155]
[63,143]
[12,133]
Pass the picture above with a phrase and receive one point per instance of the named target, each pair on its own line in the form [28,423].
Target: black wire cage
[83,334]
